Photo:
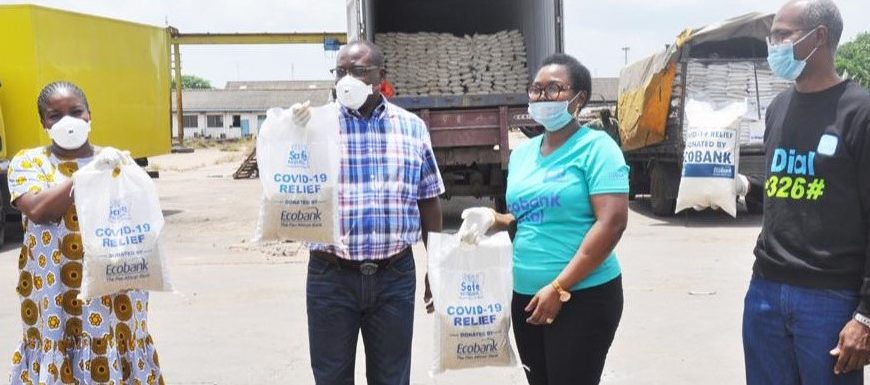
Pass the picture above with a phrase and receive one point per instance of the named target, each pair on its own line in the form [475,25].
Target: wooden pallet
[248,169]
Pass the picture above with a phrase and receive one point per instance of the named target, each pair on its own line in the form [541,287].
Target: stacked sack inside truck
[444,64]
[735,81]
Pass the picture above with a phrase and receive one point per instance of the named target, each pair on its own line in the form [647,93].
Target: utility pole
[626,49]
[179,114]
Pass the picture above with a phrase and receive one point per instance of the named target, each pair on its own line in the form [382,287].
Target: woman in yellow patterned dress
[66,340]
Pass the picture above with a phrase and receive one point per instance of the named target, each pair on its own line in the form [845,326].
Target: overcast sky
[595,30]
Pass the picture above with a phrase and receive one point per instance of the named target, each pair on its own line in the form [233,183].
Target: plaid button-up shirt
[387,165]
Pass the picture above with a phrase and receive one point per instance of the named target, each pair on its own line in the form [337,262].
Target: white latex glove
[476,222]
[741,185]
[108,158]
[300,113]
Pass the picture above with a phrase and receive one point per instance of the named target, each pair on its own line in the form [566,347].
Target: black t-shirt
[817,192]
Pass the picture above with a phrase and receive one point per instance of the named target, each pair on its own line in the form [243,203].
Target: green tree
[854,58]
[192,81]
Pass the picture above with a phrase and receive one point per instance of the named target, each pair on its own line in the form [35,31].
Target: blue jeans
[788,332]
[341,302]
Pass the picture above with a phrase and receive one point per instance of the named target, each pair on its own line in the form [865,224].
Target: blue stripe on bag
[707,170]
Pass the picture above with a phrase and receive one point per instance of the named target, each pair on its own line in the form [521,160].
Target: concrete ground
[238,316]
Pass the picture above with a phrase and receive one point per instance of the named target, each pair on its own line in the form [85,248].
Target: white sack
[711,157]
[299,170]
[472,287]
[120,221]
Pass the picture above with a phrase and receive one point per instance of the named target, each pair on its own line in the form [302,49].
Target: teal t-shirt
[550,198]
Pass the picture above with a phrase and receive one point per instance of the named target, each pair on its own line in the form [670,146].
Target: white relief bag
[299,170]
[472,287]
[120,222]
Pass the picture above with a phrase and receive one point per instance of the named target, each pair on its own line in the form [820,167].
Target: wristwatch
[862,319]
[564,295]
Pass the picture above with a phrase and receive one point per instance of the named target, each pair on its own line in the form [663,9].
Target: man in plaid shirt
[388,198]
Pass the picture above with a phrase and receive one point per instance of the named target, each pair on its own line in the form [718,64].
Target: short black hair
[823,12]
[54,88]
[581,80]
[376,55]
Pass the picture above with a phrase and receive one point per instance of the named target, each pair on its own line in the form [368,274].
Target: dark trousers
[571,350]
[341,302]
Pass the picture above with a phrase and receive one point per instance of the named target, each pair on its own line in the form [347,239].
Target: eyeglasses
[779,36]
[551,91]
[356,71]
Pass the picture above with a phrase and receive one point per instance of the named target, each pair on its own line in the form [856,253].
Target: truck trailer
[469,131]
[123,68]
[720,63]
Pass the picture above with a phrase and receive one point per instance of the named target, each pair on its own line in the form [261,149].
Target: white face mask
[70,133]
[352,92]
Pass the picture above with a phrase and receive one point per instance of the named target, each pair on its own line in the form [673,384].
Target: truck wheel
[664,179]
[3,224]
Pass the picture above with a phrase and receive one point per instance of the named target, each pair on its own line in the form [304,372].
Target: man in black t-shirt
[806,317]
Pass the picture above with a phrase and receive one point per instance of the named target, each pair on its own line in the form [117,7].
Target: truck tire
[3,223]
[6,211]
[664,182]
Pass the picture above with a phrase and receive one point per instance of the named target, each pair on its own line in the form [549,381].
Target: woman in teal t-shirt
[567,193]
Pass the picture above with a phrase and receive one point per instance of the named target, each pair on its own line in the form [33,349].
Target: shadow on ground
[692,218]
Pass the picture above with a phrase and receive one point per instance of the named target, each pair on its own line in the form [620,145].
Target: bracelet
[862,319]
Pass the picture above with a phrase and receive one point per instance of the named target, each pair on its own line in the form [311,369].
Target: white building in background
[239,110]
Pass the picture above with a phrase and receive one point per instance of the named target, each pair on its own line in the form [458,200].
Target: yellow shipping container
[123,68]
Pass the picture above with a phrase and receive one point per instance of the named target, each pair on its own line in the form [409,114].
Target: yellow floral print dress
[66,340]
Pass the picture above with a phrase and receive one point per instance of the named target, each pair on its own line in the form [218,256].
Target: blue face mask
[553,115]
[781,59]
